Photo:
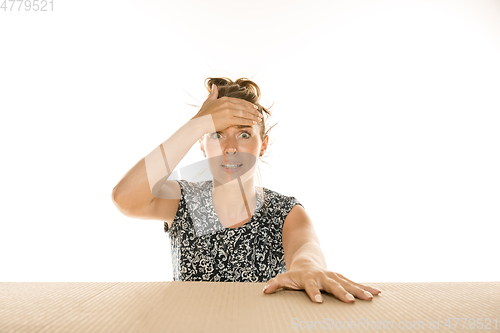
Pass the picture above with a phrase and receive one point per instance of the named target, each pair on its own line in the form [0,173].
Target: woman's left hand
[312,279]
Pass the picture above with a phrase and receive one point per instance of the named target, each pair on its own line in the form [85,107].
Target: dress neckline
[258,206]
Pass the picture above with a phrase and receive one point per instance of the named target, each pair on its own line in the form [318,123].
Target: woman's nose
[230,150]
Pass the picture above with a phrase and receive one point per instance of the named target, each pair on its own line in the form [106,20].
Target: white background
[388,133]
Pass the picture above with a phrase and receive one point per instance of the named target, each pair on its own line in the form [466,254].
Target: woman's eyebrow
[237,126]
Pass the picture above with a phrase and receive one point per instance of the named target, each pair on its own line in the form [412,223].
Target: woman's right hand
[228,111]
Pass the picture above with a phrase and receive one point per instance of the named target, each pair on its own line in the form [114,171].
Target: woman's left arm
[306,265]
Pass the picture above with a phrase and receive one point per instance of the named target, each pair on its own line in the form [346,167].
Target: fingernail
[349,297]
[368,294]
[254,122]
[318,298]
[265,288]
[255,106]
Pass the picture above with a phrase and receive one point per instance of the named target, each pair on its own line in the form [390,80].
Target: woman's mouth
[231,167]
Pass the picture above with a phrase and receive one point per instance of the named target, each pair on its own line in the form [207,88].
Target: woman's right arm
[144,191]
[145,187]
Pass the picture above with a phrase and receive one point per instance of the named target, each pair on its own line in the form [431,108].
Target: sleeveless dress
[204,250]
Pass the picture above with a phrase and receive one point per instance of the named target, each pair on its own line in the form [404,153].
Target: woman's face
[234,152]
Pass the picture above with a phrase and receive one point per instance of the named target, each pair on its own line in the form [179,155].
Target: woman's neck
[235,201]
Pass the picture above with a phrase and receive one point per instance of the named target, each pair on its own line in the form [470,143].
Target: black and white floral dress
[204,250]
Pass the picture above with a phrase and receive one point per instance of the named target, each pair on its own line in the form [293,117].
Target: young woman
[226,228]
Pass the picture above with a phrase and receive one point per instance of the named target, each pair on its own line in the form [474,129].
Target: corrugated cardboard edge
[237,307]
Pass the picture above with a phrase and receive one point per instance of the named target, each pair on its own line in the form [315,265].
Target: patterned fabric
[203,250]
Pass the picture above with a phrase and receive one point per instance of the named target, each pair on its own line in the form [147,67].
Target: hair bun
[240,84]
[250,85]
[218,81]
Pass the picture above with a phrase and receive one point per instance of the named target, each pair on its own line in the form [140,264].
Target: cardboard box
[27,307]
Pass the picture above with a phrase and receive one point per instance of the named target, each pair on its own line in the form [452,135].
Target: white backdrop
[388,133]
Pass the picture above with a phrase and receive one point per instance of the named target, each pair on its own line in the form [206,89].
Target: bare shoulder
[298,222]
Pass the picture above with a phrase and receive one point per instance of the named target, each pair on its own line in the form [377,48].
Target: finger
[213,95]
[283,280]
[250,115]
[357,291]
[241,114]
[373,291]
[241,104]
[312,289]
[244,121]
[333,287]
[271,286]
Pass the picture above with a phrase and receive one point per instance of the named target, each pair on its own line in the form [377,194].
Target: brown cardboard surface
[175,306]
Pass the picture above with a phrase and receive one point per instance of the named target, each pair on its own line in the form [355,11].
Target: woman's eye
[217,135]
